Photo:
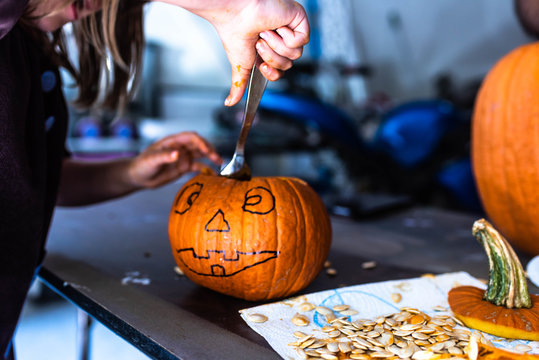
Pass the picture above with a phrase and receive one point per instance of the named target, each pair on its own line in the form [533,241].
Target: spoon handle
[257,85]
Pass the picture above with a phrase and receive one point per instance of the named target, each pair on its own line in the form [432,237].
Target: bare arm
[86,183]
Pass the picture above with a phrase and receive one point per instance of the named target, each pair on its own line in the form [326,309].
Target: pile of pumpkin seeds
[408,334]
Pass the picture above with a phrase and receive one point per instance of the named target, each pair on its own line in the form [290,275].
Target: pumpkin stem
[507,283]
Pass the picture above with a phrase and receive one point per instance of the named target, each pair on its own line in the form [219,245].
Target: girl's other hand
[170,158]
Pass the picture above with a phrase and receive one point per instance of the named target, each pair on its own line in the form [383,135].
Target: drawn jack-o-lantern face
[256,239]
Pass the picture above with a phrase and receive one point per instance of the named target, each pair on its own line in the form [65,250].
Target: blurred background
[375,116]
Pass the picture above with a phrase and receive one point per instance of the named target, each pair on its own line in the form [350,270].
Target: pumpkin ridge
[504,130]
[511,129]
[298,198]
[321,215]
[277,236]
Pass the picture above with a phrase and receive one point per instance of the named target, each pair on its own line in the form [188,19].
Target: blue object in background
[326,118]
[457,178]
[410,133]
[88,127]
[123,128]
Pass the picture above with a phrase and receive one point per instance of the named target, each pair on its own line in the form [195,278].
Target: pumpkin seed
[311,353]
[381,354]
[329,357]
[437,347]
[300,320]
[340,308]
[361,343]
[331,272]
[396,297]
[304,337]
[257,318]
[306,306]
[344,347]
[307,343]
[416,319]
[522,348]
[368,265]
[408,334]
[328,328]
[420,336]
[334,333]
[302,354]
[453,350]
[333,347]
[359,356]
[439,308]
[330,317]
[349,312]
[318,344]
[178,271]
[323,310]
[410,327]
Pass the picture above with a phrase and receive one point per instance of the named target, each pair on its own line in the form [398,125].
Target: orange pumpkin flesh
[505,139]
[468,305]
[477,350]
[505,308]
[257,239]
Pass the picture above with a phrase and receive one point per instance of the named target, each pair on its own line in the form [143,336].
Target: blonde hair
[110,44]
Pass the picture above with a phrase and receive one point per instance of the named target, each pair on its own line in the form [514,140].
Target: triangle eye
[259,200]
[187,198]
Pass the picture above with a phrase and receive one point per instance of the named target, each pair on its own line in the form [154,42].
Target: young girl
[36,172]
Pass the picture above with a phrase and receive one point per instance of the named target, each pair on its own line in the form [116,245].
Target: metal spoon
[237,168]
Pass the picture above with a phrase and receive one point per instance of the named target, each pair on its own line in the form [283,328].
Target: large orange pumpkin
[505,146]
[257,239]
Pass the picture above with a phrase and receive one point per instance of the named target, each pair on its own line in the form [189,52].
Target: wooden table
[114,262]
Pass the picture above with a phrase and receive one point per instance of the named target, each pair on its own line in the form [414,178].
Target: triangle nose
[217,223]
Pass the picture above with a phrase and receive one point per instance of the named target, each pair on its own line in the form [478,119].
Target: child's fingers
[192,142]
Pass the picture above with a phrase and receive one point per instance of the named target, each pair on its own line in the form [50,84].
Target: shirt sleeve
[10,12]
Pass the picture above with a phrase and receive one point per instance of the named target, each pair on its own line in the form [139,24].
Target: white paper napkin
[370,300]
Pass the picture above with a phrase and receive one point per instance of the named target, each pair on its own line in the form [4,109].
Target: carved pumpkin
[506,308]
[505,133]
[256,239]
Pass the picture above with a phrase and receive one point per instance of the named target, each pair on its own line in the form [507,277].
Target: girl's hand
[277,29]
[170,158]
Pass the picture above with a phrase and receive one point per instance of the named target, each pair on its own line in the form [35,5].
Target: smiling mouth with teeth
[210,264]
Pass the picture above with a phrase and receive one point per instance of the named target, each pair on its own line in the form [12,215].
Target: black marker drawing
[217,223]
[259,200]
[209,264]
[187,198]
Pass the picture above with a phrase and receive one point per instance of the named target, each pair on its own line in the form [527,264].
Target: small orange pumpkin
[506,308]
[505,139]
[257,239]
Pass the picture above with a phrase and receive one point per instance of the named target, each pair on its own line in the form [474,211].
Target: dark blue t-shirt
[33,125]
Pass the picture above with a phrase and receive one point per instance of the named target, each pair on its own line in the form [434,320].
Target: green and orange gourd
[505,308]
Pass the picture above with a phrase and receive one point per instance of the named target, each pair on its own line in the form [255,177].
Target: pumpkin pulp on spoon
[505,309]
